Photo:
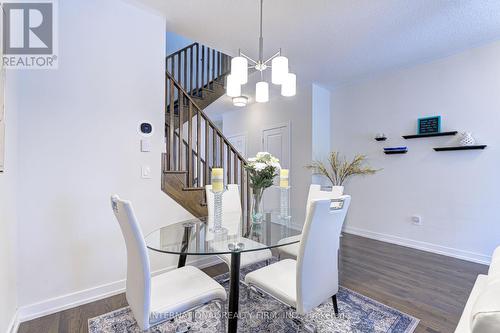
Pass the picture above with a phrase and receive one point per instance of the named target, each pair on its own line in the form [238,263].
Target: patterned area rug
[262,314]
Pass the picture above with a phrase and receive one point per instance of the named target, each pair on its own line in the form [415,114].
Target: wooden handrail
[181,50]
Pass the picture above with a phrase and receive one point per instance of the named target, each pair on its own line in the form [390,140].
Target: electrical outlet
[416,220]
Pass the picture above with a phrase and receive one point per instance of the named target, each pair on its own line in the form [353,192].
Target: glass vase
[257,209]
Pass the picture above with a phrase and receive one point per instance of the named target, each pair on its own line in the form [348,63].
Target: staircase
[195,78]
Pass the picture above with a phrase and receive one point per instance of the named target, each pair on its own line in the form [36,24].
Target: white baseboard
[14,323]
[81,297]
[419,245]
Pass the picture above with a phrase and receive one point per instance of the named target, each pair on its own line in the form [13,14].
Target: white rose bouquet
[261,169]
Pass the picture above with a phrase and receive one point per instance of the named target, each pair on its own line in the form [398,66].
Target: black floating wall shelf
[392,152]
[428,135]
[460,148]
[381,139]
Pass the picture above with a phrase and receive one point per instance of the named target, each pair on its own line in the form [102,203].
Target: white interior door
[276,140]
[240,143]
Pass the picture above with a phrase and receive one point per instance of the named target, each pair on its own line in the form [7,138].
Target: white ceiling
[333,42]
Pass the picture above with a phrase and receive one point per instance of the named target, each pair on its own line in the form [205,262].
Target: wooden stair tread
[193,189]
[174,172]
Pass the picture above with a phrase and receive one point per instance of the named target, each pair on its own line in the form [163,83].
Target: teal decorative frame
[426,118]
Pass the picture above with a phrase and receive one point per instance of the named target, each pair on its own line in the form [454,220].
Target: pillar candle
[284,177]
[217,179]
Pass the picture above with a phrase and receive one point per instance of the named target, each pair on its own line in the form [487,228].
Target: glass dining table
[197,237]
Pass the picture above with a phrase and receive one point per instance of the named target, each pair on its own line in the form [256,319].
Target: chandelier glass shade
[240,101]
[262,92]
[278,64]
[233,88]
[289,85]
[279,71]
[239,68]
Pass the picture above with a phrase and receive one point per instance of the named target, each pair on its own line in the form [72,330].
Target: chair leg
[335,305]
[302,326]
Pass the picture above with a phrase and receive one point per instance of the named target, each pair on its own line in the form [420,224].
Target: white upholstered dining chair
[164,296]
[315,193]
[231,219]
[313,278]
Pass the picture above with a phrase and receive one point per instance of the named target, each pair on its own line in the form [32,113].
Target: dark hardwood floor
[430,287]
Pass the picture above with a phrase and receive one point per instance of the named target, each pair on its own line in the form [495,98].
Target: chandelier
[279,74]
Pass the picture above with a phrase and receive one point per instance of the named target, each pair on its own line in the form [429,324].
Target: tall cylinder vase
[257,209]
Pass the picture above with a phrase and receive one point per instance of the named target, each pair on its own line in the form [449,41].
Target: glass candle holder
[217,227]
[284,201]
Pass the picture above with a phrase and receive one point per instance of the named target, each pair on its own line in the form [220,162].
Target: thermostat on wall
[146,129]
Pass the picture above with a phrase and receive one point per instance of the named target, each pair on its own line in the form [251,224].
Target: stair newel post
[198,147]
[190,176]
[172,128]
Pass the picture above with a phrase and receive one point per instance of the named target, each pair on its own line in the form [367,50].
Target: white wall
[78,144]
[320,128]
[456,193]
[252,119]
[176,42]
[8,220]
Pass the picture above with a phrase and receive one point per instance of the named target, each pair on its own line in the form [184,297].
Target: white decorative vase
[467,139]
[339,190]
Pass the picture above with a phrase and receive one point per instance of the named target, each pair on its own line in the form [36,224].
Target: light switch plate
[146,172]
[145,145]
